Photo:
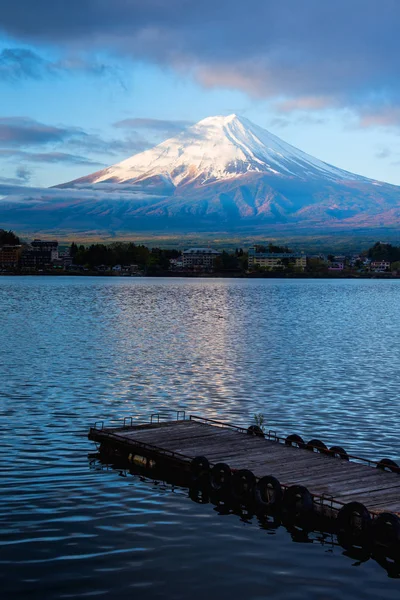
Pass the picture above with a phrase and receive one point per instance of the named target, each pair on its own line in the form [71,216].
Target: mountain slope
[223,175]
[217,148]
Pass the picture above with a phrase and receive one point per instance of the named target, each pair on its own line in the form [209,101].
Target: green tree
[382,251]
[8,238]
[73,250]
[395,266]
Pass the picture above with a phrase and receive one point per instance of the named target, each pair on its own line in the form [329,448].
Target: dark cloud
[67,144]
[17,63]
[49,157]
[22,176]
[22,131]
[8,183]
[61,157]
[23,173]
[313,53]
[157,126]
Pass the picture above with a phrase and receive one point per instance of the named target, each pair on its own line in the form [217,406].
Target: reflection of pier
[267,472]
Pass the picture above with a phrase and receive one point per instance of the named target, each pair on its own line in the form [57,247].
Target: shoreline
[217,275]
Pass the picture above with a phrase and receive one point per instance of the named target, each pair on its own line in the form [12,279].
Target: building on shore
[10,256]
[46,246]
[338,263]
[276,260]
[39,254]
[199,259]
[380,266]
[176,264]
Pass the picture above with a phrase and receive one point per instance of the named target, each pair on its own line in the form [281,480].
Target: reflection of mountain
[224,174]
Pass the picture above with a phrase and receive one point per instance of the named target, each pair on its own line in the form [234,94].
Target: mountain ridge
[216,148]
[224,175]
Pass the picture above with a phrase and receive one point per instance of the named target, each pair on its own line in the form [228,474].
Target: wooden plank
[345,481]
[176,438]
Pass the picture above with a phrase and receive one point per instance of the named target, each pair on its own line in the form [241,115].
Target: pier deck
[332,482]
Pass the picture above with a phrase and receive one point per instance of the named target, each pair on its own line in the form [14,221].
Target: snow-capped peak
[218,148]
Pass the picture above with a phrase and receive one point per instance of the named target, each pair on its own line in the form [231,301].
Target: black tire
[316,445]
[386,464]
[386,531]
[243,483]
[220,476]
[297,501]
[295,440]
[268,493]
[338,452]
[345,520]
[199,495]
[200,468]
[255,430]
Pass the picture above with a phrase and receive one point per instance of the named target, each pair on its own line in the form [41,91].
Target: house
[132,269]
[176,264]
[10,255]
[337,263]
[199,259]
[380,266]
[276,260]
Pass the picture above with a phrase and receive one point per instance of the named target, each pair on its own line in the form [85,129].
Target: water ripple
[318,358]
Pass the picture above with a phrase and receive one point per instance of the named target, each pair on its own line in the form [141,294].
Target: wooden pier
[331,482]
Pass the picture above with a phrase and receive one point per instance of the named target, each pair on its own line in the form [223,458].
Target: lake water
[318,357]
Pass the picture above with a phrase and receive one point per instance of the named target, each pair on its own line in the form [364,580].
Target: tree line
[128,253]
[8,238]
[121,253]
[381,251]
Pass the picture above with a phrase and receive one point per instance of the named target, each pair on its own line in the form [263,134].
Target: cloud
[95,144]
[23,131]
[20,63]
[49,157]
[383,153]
[297,119]
[340,51]
[17,63]
[20,132]
[305,103]
[13,192]
[21,137]
[158,126]
[23,174]
[9,183]
[383,116]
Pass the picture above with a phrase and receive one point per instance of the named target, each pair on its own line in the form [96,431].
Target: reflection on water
[318,358]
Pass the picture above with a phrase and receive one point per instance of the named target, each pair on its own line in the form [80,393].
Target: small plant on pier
[260,420]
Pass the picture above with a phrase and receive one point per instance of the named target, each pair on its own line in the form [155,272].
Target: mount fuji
[213,150]
[223,175]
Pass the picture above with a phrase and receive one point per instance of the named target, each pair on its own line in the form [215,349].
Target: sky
[87,83]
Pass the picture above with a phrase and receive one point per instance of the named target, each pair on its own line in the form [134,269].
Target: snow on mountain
[223,175]
[217,148]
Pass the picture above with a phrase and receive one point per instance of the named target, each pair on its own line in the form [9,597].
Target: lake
[317,357]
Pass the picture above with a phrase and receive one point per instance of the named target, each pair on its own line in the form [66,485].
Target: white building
[201,259]
[275,260]
[380,265]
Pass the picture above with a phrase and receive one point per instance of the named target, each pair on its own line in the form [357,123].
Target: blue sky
[86,84]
